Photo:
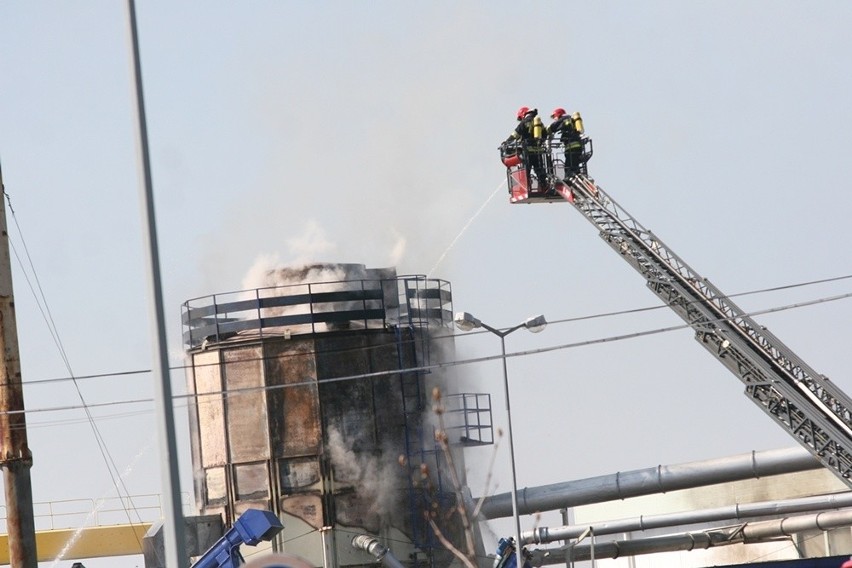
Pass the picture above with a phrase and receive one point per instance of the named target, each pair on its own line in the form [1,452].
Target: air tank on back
[305,405]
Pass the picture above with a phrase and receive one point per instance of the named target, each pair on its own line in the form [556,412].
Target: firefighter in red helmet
[531,133]
[570,129]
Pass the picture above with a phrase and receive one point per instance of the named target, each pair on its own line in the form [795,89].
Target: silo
[312,401]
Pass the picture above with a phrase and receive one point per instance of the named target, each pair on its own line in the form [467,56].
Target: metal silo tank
[302,408]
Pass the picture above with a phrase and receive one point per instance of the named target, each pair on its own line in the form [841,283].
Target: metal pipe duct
[659,479]
[620,548]
[822,521]
[543,535]
[742,534]
[373,546]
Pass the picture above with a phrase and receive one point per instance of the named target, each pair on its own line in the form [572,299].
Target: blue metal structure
[253,527]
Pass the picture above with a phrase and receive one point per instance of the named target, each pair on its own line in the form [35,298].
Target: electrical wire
[41,300]
[737,295]
[437,366]
[444,336]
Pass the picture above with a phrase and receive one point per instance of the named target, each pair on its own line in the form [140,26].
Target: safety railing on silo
[322,306]
[281,310]
[468,419]
[425,302]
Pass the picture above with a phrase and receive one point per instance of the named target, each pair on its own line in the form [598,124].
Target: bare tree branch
[443,540]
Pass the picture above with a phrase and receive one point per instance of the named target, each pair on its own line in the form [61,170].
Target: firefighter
[570,128]
[531,132]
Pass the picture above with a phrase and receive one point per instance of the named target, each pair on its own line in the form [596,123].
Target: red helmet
[522,111]
[558,112]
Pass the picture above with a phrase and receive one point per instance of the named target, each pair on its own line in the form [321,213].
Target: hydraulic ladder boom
[806,404]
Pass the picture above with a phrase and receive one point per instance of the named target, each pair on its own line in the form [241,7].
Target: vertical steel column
[173,528]
[15,457]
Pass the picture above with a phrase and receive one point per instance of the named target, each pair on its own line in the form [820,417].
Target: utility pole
[15,456]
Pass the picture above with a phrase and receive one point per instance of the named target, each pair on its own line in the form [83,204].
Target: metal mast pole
[15,456]
[519,556]
[175,543]
[466,322]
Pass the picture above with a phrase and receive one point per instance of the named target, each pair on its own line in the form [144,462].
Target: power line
[442,365]
[41,299]
[737,295]
[453,335]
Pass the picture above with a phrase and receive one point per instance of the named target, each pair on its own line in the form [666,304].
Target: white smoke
[397,252]
[398,157]
[311,244]
[268,279]
[258,274]
[375,479]
[330,275]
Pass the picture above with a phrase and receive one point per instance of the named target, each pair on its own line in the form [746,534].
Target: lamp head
[535,324]
[466,322]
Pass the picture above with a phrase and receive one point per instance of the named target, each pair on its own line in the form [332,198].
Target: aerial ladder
[805,403]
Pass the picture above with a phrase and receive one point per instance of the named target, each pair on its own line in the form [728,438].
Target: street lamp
[466,322]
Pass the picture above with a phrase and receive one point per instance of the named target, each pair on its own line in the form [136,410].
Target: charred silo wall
[304,406]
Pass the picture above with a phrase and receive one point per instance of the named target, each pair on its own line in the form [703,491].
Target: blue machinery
[253,527]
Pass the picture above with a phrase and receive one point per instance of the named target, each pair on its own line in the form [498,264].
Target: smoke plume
[376,479]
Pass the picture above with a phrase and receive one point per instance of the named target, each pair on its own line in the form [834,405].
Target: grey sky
[367,132]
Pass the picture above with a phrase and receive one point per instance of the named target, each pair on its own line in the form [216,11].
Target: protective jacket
[569,135]
[530,130]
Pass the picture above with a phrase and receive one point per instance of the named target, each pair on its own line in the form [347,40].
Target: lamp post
[466,322]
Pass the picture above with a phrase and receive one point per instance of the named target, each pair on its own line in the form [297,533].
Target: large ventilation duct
[739,512]
[659,479]
[741,534]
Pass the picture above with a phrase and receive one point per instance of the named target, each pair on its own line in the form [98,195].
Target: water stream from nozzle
[99,504]
[466,225]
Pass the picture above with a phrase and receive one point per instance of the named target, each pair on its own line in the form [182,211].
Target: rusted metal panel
[388,392]
[251,481]
[347,405]
[210,408]
[299,474]
[294,406]
[216,486]
[306,507]
[354,511]
[247,424]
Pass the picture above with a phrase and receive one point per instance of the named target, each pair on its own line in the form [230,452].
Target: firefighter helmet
[558,113]
[522,111]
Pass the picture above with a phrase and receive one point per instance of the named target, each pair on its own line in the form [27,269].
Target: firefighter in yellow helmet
[531,132]
[570,129]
